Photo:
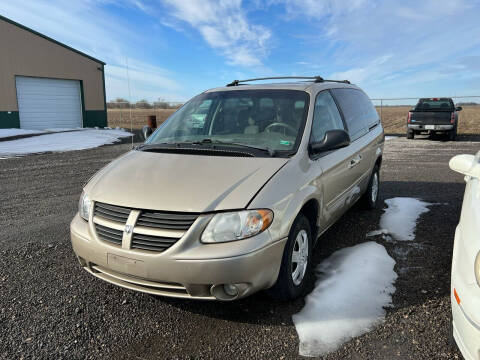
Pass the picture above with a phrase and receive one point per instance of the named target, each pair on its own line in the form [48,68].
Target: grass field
[393,118]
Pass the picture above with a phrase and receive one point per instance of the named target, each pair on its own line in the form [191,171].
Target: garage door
[48,103]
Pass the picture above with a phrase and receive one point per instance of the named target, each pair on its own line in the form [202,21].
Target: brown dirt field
[121,117]
[393,118]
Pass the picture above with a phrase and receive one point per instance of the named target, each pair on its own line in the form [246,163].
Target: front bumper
[188,269]
[466,324]
[428,127]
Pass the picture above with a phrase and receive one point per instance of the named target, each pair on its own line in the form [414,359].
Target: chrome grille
[109,235]
[166,220]
[111,212]
[161,222]
[152,243]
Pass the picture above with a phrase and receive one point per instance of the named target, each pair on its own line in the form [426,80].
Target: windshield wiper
[271,152]
[206,141]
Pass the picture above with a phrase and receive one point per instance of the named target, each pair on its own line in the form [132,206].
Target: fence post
[381,109]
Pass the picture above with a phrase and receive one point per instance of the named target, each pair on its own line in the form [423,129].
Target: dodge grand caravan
[230,195]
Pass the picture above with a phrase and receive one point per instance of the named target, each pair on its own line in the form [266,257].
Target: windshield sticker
[285,142]
[196,121]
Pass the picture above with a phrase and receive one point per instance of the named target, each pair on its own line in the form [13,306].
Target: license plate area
[126,265]
[430,127]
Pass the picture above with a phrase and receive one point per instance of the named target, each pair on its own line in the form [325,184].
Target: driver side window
[325,117]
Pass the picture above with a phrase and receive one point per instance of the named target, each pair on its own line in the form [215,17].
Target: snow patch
[390,137]
[401,216]
[65,141]
[353,287]
[16,132]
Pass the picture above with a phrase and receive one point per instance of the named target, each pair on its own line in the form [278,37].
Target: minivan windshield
[262,119]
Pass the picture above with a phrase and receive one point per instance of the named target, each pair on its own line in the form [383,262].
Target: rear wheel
[295,265]
[410,134]
[370,198]
[452,135]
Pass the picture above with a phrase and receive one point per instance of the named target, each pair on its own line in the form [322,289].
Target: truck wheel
[410,134]
[370,198]
[452,135]
[295,262]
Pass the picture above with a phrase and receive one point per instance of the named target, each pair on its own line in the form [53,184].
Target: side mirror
[334,139]
[146,132]
[464,164]
[458,108]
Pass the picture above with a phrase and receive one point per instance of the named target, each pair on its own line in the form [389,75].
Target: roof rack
[317,79]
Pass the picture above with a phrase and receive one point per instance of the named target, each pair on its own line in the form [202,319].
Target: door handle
[353,162]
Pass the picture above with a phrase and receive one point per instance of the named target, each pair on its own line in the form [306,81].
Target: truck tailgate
[431,117]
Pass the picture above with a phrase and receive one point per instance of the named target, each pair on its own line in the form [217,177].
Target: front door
[337,175]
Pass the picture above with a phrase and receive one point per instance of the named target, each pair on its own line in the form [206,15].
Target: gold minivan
[230,195]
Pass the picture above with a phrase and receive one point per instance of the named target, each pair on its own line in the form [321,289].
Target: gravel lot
[51,308]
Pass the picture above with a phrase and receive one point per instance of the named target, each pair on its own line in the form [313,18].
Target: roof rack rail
[317,79]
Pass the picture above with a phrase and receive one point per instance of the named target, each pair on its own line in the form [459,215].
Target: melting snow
[353,287]
[400,218]
[75,140]
[390,137]
[15,132]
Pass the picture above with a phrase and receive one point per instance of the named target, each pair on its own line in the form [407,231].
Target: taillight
[452,118]
[409,117]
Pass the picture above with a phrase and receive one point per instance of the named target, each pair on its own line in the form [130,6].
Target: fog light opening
[230,289]
[82,261]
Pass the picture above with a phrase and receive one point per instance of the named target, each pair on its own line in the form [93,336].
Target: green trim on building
[104,92]
[50,39]
[9,119]
[94,118]
[84,115]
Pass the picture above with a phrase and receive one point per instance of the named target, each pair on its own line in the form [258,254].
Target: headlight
[236,225]
[84,206]
[477,268]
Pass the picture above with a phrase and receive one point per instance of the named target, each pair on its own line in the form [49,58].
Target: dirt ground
[51,308]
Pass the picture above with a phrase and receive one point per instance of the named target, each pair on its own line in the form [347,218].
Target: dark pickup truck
[433,115]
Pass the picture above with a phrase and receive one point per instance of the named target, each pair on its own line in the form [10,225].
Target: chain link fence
[393,112]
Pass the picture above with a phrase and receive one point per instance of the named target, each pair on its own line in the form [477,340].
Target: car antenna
[129,99]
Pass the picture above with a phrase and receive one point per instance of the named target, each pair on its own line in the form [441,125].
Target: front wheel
[295,265]
[370,198]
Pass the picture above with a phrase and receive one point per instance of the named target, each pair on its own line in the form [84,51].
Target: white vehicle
[465,284]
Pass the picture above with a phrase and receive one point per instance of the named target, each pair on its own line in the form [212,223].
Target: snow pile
[15,132]
[400,218]
[353,287]
[66,141]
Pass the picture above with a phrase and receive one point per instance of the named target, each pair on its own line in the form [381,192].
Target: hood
[179,182]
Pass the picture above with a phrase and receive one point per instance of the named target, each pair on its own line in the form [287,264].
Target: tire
[370,198]
[452,135]
[410,134]
[286,288]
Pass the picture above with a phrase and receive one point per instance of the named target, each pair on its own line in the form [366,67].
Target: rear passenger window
[325,117]
[358,110]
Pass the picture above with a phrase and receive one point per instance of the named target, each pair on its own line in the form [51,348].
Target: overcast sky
[178,48]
